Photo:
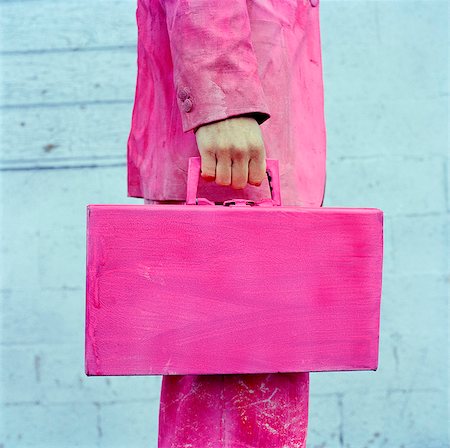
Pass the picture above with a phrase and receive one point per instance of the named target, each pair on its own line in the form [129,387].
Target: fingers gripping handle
[193,177]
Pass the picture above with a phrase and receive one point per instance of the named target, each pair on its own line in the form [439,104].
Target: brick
[51,252]
[129,424]
[395,185]
[387,128]
[420,244]
[55,374]
[41,425]
[43,316]
[400,62]
[324,426]
[408,419]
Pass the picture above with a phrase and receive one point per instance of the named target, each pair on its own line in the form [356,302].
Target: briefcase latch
[248,202]
[238,202]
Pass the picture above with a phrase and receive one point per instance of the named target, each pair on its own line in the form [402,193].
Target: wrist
[254,115]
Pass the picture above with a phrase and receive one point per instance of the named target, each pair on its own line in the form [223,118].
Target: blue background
[68,78]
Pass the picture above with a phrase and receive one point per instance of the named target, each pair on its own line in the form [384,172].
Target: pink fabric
[202,61]
[234,411]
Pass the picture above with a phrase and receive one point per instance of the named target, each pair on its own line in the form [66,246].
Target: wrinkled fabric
[234,411]
[201,61]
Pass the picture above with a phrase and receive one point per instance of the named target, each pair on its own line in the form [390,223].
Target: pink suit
[205,60]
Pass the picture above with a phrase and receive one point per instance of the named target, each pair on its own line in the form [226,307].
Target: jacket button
[187,105]
[314,2]
[183,93]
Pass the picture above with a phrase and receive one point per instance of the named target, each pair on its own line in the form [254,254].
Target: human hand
[232,152]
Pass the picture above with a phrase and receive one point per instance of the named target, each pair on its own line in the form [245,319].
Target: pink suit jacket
[201,61]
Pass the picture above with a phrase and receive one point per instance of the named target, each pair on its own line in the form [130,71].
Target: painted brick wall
[68,73]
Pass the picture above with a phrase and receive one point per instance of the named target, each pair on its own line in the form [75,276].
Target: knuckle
[256,149]
[209,153]
[222,151]
[239,153]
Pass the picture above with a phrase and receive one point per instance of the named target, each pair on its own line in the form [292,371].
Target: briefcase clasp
[239,202]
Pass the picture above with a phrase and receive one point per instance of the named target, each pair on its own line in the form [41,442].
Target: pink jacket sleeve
[214,66]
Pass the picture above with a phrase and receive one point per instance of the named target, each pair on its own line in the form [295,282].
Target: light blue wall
[68,84]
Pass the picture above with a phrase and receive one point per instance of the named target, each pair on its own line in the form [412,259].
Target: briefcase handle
[193,176]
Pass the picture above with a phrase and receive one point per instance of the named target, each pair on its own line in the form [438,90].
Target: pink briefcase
[243,287]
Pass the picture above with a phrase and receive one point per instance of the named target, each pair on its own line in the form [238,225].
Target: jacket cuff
[260,117]
[215,70]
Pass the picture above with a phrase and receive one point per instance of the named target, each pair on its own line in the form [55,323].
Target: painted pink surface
[202,289]
[269,64]
[268,409]
[229,411]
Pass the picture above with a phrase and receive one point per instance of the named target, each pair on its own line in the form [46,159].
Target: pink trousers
[233,411]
